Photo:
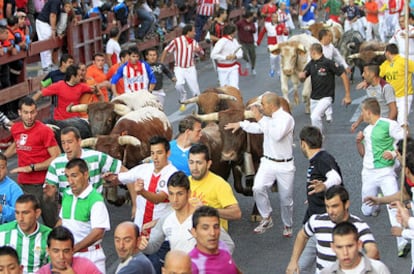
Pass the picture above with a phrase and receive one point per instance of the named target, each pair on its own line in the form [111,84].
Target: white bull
[294,57]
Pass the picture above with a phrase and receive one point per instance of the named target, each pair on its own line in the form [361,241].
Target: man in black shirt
[323,171]
[323,71]
[46,24]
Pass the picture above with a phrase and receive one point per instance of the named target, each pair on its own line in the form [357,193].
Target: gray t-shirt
[384,93]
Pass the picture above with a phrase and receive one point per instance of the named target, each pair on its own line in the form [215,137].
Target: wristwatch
[32,166]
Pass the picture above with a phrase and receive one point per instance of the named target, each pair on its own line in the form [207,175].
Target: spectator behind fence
[46,28]
[122,11]
[113,48]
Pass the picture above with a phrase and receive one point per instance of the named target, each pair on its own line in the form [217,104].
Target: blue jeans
[200,21]
[157,259]
[146,19]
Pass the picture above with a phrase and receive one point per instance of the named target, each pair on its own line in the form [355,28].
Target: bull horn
[248,114]
[189,101]
[326,25]
[53,127]
[89,142]
[273,48]
[304,27]
[227,97]
[78,108]
[121,109]
[379,52]
[128,140]
[351,45]
[208,117]
[354,56]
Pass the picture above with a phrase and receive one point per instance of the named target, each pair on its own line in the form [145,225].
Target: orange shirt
[120,84]
[99,76]
[88,98]
[372,12]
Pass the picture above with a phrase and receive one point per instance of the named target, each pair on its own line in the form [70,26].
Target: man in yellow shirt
[393,71]
[210,189]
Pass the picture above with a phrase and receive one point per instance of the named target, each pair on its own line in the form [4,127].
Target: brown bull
[102,116]
[335,28]
[216,99]
[129,139]
[294,57]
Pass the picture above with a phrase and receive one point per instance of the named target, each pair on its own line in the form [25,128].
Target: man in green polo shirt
[84,213]
[26,235]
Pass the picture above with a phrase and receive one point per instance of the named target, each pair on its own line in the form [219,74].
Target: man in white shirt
[277,162]
[226,52]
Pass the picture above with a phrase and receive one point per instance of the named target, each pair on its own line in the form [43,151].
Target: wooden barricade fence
[83,39]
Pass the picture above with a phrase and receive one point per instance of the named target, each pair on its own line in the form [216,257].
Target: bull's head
[209,101]
[290,53]
[102,115]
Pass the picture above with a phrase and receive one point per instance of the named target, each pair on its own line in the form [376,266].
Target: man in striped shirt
[205,10]
[184,49]
[321,226]
[26,235]
[98,163]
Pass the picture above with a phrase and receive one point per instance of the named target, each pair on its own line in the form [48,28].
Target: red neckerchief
[409,182]
[228,37]
[189,40]
[137,69]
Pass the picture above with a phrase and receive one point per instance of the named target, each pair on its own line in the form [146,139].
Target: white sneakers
[264,225]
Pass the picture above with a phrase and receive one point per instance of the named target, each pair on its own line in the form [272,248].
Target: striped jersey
[135,77]
[147,211]
[98,163]
[321,226]
[378,138]
[83,213]
[206,7]
[183,51]
[30,248]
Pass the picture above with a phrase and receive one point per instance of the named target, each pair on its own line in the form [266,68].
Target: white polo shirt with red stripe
[147,211]
[206,7]
[183,51]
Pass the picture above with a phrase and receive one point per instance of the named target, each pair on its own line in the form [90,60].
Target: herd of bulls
[122,128]
[294,55]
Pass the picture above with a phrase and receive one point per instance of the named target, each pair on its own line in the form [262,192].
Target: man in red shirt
[36,147]
[68,91]
[371,10]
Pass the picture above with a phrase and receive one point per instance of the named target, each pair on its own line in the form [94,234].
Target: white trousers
[268,172]
[186,76]
[274,62]
[96,256]
[318,108]
[44,32]
[385,179]
[372,31]
[400,102]
[382,28]
[357,25]
[229,76]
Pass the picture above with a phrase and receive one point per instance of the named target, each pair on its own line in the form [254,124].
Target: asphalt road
[270,252]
